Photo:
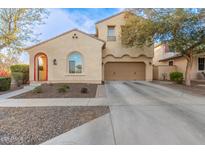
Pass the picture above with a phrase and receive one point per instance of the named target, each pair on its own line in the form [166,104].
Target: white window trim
[198,64]
[73,74]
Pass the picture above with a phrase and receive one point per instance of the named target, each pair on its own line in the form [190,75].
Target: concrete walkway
[16,92]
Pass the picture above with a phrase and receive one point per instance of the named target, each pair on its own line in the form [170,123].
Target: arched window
[75,63]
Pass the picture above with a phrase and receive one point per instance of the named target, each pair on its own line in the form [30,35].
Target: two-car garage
[124,71]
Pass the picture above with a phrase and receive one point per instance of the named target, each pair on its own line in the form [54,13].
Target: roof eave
[28,48]
[110,17]
[170,58]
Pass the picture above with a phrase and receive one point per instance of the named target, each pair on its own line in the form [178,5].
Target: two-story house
[78,57]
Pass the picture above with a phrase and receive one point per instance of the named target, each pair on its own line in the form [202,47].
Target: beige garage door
[124,71]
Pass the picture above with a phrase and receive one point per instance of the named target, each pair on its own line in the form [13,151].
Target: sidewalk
[16,92]
[96,132]
[54,102]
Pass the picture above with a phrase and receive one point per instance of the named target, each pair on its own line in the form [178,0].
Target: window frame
[109,37]
[172,63]
[198,64]
[68,64]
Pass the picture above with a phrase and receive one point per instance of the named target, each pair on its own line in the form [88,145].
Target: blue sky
[61,20]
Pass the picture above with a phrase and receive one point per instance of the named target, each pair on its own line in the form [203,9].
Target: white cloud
[60,21]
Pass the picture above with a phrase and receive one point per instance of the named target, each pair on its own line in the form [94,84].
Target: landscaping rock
[34,125]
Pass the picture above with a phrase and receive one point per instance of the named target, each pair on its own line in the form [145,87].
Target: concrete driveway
[144,113]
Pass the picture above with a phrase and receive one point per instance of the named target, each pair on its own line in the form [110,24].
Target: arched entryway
[40,67]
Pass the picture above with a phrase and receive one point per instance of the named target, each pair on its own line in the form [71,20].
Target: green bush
[20,68]
[38,90]
[20,73]
[176,77]
[84,90]
[62,90]
[18,77]
[5,83]
[66,86]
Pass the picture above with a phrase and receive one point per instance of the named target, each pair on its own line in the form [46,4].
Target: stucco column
[149,71]
[103,71]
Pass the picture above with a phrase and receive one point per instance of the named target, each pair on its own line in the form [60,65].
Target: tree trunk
[188,70]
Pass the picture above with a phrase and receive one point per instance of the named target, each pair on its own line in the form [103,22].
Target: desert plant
[62,90]
[176,77]
[38,90]
[5,83]
[84,90]
[66,86]
[20,73]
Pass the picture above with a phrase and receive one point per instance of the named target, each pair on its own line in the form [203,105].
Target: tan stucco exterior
[60,48]
[96,52]
[179,63]
[116,52]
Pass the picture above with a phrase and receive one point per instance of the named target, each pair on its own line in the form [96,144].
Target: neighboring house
[166,62]
[78,57]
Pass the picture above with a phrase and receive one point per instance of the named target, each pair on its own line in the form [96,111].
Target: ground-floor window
[75,63]
[201,64]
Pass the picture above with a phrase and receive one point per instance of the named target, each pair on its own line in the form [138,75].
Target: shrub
[38,90]
[20,68]
[5,83]
[176,77]
[62,90]
[84,90]
[18,77]
[66,86]
[20,73]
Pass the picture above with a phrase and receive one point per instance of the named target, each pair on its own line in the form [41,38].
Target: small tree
[17,30]
[183,29]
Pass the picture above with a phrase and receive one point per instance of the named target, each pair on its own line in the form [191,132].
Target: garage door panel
[124,71]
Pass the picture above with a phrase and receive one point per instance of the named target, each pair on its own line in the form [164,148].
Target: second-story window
[111,33]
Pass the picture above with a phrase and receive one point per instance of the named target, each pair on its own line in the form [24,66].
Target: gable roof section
[110,17]
[90,35]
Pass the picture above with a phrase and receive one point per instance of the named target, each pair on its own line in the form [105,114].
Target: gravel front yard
[34,125]
[51,91]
